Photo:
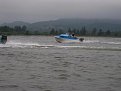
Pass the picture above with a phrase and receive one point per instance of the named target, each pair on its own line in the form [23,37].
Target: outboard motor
[3,39]
[81,39]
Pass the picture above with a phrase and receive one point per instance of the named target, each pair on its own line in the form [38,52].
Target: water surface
[39,63]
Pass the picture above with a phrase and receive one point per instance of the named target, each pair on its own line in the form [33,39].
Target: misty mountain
[65,24]
[16,23]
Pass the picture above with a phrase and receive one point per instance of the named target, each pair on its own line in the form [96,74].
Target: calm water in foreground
[39,63]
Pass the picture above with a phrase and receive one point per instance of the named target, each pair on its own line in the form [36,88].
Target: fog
[42,10]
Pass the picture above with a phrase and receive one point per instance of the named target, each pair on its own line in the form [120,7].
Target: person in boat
[3,39]
[73,35]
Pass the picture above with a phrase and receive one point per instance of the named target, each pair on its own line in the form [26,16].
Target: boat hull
[65,40]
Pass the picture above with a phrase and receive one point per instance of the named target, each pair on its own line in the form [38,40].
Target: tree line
[84,32]
[22,30]
[17,30]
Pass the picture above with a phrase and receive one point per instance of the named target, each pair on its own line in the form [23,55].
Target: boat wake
[24,45]
[89,45]
[115,43]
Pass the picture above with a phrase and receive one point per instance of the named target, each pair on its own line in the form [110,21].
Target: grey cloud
[37,10]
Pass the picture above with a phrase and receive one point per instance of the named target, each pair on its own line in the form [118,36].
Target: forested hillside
[86,27]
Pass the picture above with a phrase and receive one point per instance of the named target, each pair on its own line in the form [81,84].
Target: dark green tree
[74,31]
[36,32]
[53,31]
[56,32]
[17,28]
[108,33]
[83,31]
[100,33]
[94,31]
[60,31]
[69,31]
[24,28]
[27,33]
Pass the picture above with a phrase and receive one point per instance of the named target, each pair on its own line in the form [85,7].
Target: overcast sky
[40,10]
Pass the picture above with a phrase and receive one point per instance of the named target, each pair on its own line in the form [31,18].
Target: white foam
[117,43]
[90,41]
[14,44]
[18,44]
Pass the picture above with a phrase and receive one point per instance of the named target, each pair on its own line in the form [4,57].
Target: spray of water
[87,44]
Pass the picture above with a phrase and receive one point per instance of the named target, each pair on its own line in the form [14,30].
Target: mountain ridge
[64,24]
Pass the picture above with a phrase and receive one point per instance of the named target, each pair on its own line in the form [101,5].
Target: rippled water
[39,63]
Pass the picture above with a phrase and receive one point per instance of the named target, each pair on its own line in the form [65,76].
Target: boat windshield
[67,36]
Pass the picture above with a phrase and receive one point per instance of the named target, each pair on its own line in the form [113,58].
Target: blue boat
[3,39]
[62,38]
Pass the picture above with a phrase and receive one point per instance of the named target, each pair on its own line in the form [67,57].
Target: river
[39,63]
